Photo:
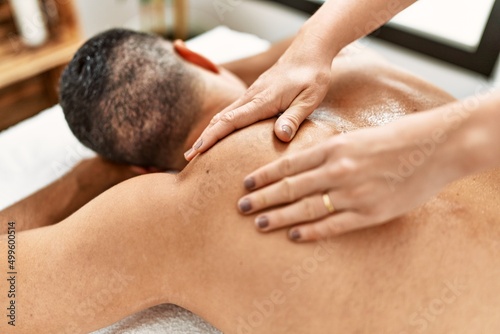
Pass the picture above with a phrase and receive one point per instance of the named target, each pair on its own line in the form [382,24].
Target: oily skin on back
[434,269]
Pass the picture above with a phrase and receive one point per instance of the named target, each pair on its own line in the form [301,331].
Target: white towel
[161,319]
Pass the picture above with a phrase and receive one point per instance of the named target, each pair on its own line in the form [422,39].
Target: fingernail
[288,130]
[198,144]
[245,205]
[188,153]
[250,183]
[295,235]
[262,222]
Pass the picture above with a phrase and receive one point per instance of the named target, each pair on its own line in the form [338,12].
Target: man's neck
[215,96]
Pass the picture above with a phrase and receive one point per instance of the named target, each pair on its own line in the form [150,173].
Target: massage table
[39,150]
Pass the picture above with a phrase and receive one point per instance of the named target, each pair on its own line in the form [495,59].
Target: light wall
[98,15]
[274,22]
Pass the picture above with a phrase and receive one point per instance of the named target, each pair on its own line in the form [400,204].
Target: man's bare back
[180,239]
[435,269]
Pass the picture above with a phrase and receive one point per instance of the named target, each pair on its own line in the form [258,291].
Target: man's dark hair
[129,97]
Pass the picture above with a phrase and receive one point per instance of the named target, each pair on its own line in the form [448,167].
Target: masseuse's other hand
[295,85]
[353,181]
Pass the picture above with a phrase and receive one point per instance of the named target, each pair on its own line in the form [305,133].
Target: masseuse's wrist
[314,41]
[468,140]
[435,144]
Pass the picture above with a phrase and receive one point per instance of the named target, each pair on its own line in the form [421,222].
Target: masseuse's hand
[354,180]
[295,85]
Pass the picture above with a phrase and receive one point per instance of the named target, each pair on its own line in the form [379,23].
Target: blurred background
[38,37]
[274,21]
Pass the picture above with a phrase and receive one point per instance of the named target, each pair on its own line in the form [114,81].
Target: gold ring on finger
[328,203]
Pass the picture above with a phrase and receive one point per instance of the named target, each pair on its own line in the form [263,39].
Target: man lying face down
[138,99]
[179,238]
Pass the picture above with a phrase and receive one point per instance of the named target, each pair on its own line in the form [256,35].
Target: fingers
[288,190]
[263,101]
[285,191]
[315,219]
[306,210]
[253,108]
[284,167]
[239,115]
[331,226]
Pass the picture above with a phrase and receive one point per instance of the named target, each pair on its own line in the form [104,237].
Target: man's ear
[193,57]
[144,170]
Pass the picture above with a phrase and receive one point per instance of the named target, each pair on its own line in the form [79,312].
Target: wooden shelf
[29,76]
[29,63]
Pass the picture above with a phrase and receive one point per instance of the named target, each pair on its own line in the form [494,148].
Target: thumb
[289,122]
[230,121]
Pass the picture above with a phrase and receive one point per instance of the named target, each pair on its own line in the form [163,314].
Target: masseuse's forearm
[460,138]
[250,68]
[60,199]
[340,22]
[477,136]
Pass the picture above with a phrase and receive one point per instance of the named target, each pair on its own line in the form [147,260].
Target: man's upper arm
[61,198]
